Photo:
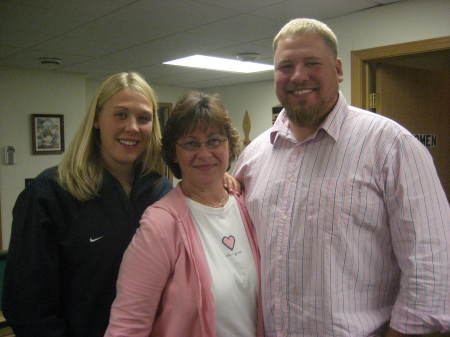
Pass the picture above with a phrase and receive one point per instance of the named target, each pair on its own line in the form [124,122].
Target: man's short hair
[304,25]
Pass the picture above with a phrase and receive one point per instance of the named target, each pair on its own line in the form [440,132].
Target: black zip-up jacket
[64,254]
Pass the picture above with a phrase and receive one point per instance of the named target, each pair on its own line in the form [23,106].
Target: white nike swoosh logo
[95,239]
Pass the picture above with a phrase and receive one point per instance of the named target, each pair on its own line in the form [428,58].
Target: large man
[352,221]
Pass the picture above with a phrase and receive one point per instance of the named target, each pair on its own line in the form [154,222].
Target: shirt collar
[280,127]
[331,125]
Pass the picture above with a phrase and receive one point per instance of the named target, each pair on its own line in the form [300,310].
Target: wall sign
[427,140]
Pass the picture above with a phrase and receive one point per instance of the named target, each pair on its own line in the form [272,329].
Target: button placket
[284,214]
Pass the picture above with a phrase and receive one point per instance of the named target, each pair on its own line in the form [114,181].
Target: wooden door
[419,100]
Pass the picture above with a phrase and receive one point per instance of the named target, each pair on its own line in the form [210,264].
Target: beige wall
[401,22]
[23,92]
[406,21]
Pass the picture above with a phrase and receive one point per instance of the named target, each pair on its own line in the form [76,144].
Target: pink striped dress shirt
[353,227]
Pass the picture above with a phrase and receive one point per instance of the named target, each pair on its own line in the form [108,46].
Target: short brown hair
[196,109]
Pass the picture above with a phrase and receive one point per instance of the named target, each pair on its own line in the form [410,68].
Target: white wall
[407,21]
[23,92]
[164,93]
[257,98]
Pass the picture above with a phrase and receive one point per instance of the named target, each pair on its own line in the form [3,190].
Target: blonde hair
[304,25]
[81,169]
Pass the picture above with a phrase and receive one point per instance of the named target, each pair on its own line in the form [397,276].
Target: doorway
[409,83]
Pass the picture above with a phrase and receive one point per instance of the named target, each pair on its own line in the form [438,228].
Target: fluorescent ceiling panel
[220,64]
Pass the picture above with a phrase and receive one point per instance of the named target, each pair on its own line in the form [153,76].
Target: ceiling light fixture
[220,64]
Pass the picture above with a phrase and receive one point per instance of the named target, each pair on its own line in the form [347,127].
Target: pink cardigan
[164,285]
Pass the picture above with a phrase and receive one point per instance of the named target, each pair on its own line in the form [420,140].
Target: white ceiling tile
[319,9]
[384,2]
[7,50]
[237,29]
[30,58]
[100,37]
[262,47]
[21,38]
[243,6]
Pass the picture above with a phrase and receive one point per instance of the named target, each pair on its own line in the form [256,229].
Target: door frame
[360,78]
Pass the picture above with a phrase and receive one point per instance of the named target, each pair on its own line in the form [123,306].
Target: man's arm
[419,214]
[393,333]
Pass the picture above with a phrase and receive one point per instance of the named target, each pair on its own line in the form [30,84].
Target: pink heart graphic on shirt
[228,241]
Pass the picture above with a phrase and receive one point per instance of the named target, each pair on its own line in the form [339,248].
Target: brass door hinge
[372,104]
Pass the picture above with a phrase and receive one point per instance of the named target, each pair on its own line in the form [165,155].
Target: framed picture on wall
[164,110]
[47,133]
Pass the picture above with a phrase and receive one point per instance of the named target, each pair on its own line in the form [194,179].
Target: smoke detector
[50,61]
[247,56]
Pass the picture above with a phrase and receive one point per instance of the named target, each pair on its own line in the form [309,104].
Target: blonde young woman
[72,225]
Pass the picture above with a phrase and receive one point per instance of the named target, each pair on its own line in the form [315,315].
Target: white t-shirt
[232,267]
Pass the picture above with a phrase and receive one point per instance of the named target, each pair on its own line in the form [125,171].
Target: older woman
[192,268]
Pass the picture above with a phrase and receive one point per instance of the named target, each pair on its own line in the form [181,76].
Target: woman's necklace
[215,204]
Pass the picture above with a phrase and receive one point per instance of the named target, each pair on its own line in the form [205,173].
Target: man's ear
[340,73]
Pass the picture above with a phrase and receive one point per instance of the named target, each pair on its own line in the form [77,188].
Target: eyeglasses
[211,143]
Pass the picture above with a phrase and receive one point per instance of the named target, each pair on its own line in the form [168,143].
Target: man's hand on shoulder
[231,184]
